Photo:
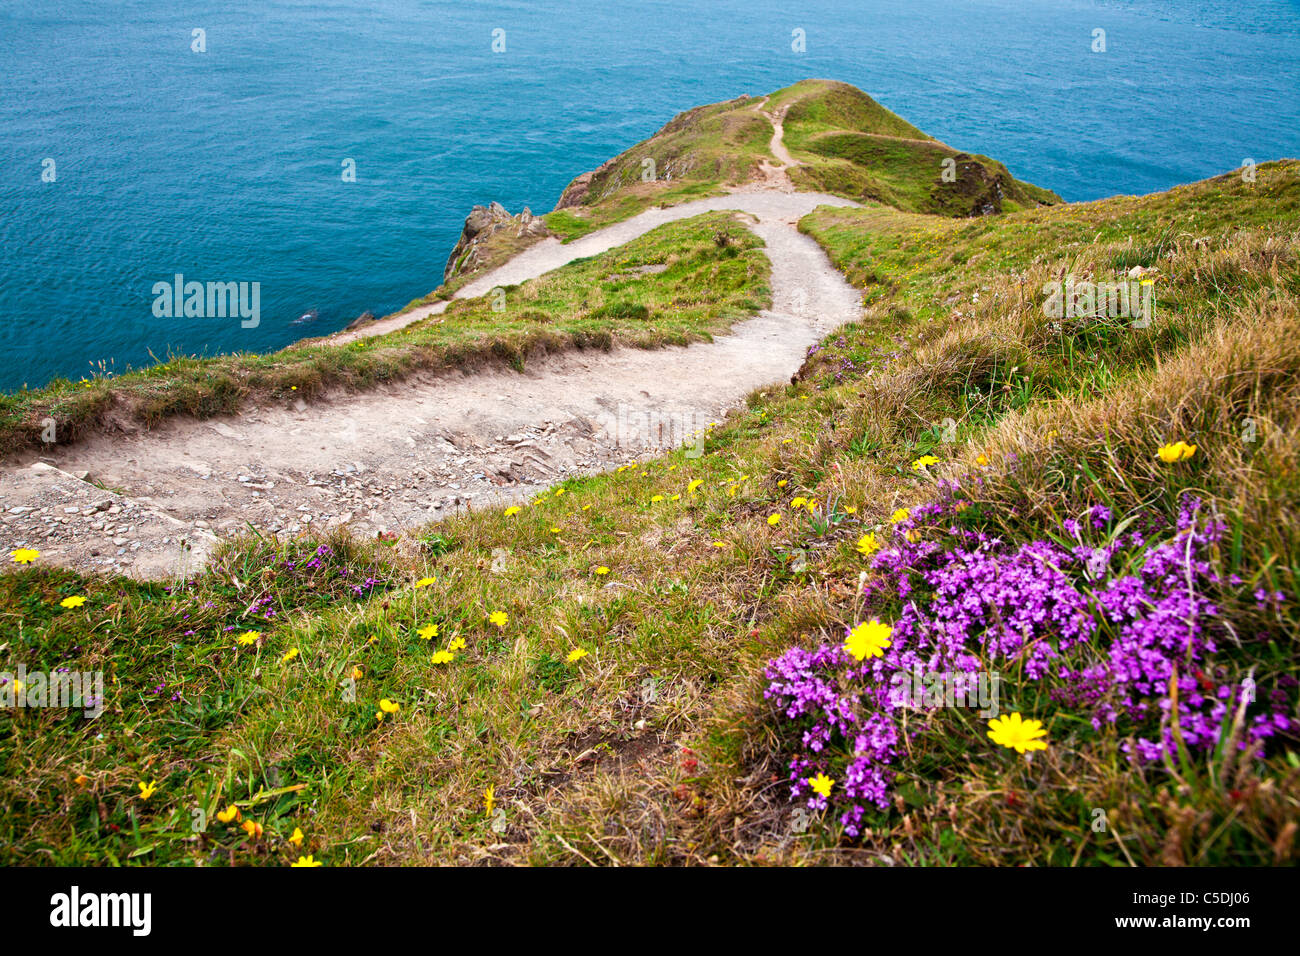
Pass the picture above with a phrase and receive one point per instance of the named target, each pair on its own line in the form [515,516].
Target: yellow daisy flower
[868,640]
[821,784]
[1178,451]
[1017,734]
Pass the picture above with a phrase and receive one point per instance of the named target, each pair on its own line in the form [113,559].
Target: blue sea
[227,164]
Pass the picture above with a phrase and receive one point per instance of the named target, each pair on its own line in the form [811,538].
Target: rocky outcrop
[485,224]
[576,192]
[365,318]
[976,192]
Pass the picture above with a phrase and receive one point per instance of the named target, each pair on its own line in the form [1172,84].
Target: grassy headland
[716,274]
[636,680]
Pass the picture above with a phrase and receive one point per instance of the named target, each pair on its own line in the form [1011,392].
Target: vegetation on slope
[851,146]
[846,143]
[595,688]
[697,154]
[716,273]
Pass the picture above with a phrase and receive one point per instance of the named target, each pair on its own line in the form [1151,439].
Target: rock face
[483,224]
[576,191]
[976,189]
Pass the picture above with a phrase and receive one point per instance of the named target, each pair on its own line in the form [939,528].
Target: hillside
[693,656]
[843,142]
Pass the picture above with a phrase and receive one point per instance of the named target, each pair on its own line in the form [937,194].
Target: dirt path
[397,457]
[776,175]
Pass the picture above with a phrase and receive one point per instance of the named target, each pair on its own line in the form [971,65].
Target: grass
[657,745]
[851,146]
[716,274]
[848,145]
[697,154]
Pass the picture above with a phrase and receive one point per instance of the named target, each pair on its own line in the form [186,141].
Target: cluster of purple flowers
[1110,624]
[263,606]
[362,589]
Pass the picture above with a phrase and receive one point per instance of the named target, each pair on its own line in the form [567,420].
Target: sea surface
[227,165]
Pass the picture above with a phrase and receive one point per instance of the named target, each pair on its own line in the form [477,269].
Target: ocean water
[226,165]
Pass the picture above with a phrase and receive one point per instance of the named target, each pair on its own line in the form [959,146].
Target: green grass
[657,745]
[852,146]
[716,274]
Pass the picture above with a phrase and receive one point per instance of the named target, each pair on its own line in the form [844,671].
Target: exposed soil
[397,457]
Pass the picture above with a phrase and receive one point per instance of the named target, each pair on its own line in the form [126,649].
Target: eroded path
[397,457]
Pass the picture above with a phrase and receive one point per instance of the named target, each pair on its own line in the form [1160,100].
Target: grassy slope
[852,146]
[849,144]
[699,153]
[707,286]
[696,154]
[657,746]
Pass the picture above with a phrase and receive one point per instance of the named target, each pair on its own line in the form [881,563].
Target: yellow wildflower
[821,784]
[1178,451]
[868,640]
[1019,735]
[70,602]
